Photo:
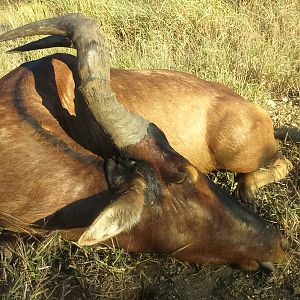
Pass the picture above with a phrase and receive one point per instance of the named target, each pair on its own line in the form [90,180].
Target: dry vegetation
[252,46]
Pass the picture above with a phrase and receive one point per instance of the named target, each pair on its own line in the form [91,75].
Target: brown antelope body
[49,182]
[206,122]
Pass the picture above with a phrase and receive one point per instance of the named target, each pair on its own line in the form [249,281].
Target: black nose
[267,265]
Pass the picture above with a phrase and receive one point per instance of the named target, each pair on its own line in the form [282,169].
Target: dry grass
[251,46]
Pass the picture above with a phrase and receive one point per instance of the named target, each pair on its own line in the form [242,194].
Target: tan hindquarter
[206,122]
[209,124]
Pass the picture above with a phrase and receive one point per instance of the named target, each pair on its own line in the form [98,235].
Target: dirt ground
[222,283]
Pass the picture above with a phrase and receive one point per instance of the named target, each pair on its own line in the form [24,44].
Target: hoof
[244,195]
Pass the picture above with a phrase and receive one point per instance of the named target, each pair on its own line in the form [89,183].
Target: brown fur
[200,237]
[35,161]
[204,121]
[48,182]
[209,124]
[167,164]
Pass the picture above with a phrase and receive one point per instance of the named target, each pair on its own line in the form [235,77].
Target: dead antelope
[209,124]
[49,182]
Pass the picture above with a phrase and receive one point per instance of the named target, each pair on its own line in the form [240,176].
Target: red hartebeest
[208,123]
[49,182]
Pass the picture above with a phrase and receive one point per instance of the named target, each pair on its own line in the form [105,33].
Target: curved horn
[125,128]
[131,133]
[47,42]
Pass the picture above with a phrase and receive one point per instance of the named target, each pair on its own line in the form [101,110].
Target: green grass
[251,46]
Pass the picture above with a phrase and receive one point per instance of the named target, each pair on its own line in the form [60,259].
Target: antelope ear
[119,216]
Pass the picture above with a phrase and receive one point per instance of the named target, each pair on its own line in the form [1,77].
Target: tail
[288,133]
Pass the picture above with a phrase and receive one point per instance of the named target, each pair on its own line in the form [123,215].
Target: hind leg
[248,183]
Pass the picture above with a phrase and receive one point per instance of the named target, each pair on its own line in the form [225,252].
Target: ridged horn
[125,128]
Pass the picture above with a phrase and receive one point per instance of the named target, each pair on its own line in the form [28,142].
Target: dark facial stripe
[153,190]
[239,211]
